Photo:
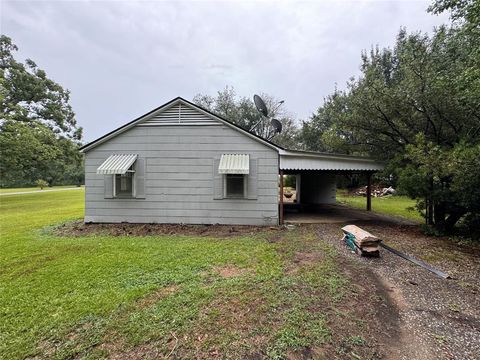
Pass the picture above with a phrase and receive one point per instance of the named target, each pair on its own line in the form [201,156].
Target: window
[235,186]
[123,184]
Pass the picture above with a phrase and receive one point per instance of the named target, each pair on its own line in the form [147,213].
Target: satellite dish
[277,125]
[261,107]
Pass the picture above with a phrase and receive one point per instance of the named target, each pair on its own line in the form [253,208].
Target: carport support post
[281,198]
[369,191]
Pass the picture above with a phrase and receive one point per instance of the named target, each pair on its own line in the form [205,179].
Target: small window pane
[124,184]
[235,186]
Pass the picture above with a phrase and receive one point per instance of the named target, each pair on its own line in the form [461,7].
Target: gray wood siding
[179,177]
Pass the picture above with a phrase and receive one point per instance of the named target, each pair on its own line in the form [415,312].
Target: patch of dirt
[229,271]
[368,312]
[79,228]
[222,318]
[156,296]
[303,259]
[306,258]
[275,237]
[79,331]
[148,351]
[307,353]
[46,348]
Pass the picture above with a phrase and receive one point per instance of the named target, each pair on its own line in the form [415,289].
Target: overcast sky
[121,59]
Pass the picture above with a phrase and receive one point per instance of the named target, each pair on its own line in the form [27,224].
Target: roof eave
[320,155]
[354,163]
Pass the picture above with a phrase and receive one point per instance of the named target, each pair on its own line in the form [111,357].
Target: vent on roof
[180,114]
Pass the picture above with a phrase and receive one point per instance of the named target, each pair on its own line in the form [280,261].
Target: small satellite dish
[277,125]
[261,107]
[268,132]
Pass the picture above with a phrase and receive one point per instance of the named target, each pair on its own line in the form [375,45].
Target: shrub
[290,181]
[41,183]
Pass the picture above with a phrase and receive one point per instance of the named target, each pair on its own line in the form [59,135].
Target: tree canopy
[242,111]
[416,106]
[39,136]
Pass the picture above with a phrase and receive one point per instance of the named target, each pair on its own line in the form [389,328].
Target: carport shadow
[336,214]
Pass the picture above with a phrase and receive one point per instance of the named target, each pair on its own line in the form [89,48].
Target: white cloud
[121,59]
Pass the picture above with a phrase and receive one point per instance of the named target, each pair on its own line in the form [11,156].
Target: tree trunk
[429,202]
[439,216]
[429,210]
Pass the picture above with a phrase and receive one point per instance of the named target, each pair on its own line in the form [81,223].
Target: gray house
[183,164]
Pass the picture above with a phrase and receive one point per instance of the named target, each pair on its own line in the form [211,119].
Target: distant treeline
[39,137]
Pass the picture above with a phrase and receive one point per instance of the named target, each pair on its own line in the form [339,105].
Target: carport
[316,181]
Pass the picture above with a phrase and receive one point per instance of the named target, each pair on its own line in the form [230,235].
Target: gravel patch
[438,318]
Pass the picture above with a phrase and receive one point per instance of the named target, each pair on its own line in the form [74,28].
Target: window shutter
[108,186]
[252,180]
[140,178]
[217,181]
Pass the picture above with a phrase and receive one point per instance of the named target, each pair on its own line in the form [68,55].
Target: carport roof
[304,160]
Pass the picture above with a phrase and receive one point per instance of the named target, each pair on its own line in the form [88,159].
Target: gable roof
[173,102]
[289,159]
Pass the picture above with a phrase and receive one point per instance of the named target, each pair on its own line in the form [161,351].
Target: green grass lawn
[12,190]
[98,295]
[388,205]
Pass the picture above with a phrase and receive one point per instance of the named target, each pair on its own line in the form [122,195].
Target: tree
[322,133]
[416,107]
[466,12]
[39,136]
[452,182]
[242,112]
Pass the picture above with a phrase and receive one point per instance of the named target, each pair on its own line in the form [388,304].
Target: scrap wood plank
[361,236]
[353,236]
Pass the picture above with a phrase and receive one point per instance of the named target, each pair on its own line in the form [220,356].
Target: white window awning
[234,164]
[117,164]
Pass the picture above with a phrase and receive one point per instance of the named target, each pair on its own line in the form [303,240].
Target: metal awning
[302,160]
[117,164]
[234,164]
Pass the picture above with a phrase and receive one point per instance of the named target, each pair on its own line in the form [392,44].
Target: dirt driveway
[438,319]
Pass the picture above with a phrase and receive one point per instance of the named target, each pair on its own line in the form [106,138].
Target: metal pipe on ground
[416,261]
